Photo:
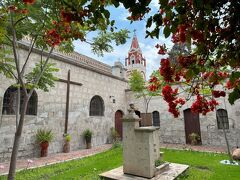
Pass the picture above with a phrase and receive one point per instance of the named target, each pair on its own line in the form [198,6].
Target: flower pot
[44,149]
[66,147]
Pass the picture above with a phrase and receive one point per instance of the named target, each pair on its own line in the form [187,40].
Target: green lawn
[202,166]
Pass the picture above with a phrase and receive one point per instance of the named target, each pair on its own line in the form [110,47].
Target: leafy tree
[141,88]
[47,24]
[212,28]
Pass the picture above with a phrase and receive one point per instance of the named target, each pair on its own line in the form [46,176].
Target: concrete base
[170,174]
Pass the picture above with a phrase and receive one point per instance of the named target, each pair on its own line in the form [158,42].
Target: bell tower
[135,60]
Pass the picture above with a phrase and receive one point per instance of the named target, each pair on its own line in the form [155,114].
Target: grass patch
[83,169]
[203,166]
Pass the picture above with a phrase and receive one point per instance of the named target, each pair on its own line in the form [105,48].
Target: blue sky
[120,52]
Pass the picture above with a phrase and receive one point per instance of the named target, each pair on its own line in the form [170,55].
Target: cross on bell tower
[135,59]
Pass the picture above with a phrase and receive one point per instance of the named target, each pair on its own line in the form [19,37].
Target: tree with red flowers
[212,30]
[47,24]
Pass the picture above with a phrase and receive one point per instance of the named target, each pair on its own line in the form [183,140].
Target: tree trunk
[226,139]
[18,106]
[17,137]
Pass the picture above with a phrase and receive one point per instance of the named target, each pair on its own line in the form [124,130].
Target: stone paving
[60,157]
[54,158]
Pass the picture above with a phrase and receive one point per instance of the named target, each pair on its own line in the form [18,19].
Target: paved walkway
[60,157]
[54,158]
[195,148]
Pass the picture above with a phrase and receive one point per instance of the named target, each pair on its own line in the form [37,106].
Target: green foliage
[194,137]
[44,135]
[136,82]
[211,27]
[87,133]
[68,137]
[47,79]
[114,135]
[102,43]
[158,162]
[6,62]
[116,144]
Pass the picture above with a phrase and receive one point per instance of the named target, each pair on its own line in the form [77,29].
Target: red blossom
[166,70]
[229,85]
[161,11]
[152,87]
[153,79]
[29,2]
[53,38]
[24,11]
[218,94]
[12,8]
[201,105]
[66,16]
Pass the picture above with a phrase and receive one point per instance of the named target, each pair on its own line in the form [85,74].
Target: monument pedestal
[140,152]
[171,173]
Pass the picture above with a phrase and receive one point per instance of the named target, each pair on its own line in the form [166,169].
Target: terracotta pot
[66,147]
[44,149]
[88,143]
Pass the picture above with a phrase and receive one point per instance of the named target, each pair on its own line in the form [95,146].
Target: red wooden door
[192,125]
[118,122]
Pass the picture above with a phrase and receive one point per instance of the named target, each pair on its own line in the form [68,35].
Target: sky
[120,52]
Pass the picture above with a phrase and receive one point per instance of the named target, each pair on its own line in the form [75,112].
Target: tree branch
[16,60]
[29,53]
[19,20]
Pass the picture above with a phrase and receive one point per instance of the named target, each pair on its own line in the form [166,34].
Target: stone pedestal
[140,151]
[140,147]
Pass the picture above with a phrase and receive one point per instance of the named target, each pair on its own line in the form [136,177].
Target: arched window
[96,106]
[10,102]
[132,59]
[156,118]
[222,116]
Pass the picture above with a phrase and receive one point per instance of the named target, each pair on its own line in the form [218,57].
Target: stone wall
[51,109]
[172,130]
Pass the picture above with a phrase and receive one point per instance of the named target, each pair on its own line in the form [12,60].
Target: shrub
[44,135]
[114,135]
[194,137]
[87,134]
[68,137]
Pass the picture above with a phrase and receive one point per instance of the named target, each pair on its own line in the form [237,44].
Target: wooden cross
[68,81]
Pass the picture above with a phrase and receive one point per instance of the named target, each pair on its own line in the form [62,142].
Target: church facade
[98,96]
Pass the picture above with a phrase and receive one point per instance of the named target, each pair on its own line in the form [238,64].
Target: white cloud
[154,4]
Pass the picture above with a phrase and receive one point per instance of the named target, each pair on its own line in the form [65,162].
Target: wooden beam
[67,104]
[71,82]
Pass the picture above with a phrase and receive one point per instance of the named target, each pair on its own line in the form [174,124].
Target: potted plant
[114,135]
[194,138]
[44,137]
[66,146]
[88,138]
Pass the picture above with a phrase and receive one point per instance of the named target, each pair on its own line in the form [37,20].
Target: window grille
[96,106]
[222,116]
[10,102]
[156,118]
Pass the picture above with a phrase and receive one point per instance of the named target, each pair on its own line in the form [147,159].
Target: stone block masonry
[51,107]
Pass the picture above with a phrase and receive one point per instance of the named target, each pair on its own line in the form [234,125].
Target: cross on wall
[69,82]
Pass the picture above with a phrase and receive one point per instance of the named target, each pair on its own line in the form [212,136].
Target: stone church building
[95,95]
